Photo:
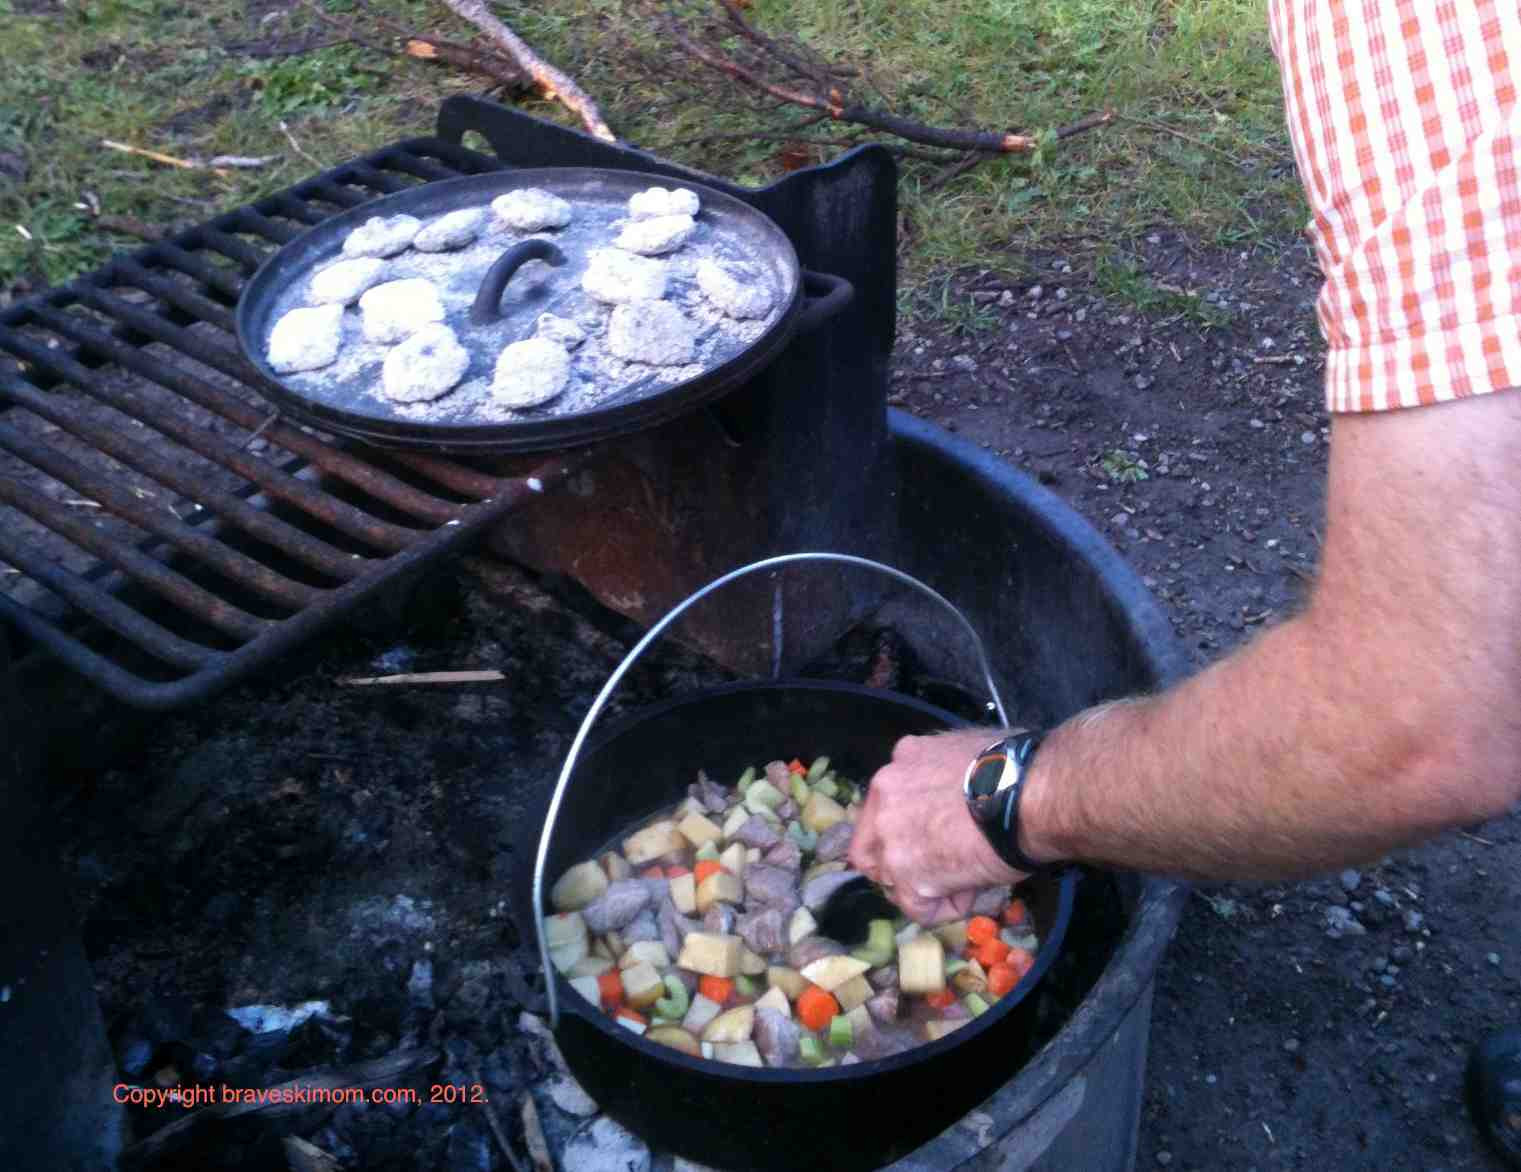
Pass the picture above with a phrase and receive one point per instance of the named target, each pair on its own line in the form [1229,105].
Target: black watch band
[994,783]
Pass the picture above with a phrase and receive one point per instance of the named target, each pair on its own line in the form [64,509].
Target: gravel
[1350,878]
[1341,922]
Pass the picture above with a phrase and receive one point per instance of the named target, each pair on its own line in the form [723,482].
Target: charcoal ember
[764,931]
[642,927]
[470,995]
[616,907]
[776,1036]
[885,977]
[336,1146]
[673,927]
[420,984]
[812,948]
[571,1097]
[787,855]
[771,886]
[719,919]
[757,832]
[256,1064]
[604,1146]
[834,843]
[818,889]
[217,1033]
[990,901]
[201,1067]
[884,1006]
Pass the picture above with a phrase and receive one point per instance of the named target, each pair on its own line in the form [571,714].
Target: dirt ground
[1277,1041]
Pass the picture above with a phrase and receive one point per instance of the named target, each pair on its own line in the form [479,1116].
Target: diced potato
[564,929]
[907,933]
[801,926]
[775,999]
[751,964]
[566,956]
[856,991]
[676,1038]
[707,1049]
[615,945]
[733,1025]
[578,887]
[753,855]
[684,893]
[700,1013]
[952,935]
[821,813]
[616,866]
[633,1027]
[733,859]
[642,985]
[710,953]
[935,1030]
[830,972]
[789,981]
[699,829]
[591,966]
[739,1053]
[860,1022]
[738,816]
[650,952]
[647,845]
[588,988]
[921,965]
[691,806]
[719,887]
[818,869]
[971,979]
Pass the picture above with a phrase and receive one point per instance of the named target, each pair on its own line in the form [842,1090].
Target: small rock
[1006,298]
[964,362]
[1036,293]
[1143,382]
[133,1056]
[1210,1080]
[1341,922]
[1291,1045]
[1307,437]
[1493,958]
[1120,519]
[1164,1159]
[420,984]
[1350,879]
[1384,897]
[1414,921]
[1386,981]
[604,1146]
[571,1097]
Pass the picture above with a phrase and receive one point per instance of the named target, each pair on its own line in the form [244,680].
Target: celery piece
[975,1004]
[763,795]
[880,946]
[819,767]
[806,839]
[746,777]
[809,1050]
[676,1002]
[800,790]
[708,850]
[745,985]
[841,1035]
[826,787]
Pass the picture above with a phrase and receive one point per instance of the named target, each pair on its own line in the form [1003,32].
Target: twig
[491,65]
[1274,359]
[132,226]
[1476,838]
[808,70]
[955,170]
[494,1121]
[1162,128]
[167,160]
[551,83]
[243,162]
[426,677]
[533,1137]
[297,147]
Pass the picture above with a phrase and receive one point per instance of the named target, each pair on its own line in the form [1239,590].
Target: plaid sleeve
[1407,131]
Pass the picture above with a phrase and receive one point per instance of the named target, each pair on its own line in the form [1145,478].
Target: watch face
[986,774]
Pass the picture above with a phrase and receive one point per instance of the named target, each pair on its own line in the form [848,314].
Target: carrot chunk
[816,1008]
[705,868]
[610,986]
[946,997]
[990,952]
[718,989]
[1016,913]
[981,929]
[1001,979]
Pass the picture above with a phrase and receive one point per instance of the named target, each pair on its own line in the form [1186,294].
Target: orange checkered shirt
[1407,131]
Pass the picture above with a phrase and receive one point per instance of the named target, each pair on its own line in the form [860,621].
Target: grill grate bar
[345,518]
[229,563]
[296,209]
[370,177]
[187,262]
[249,220]
[172,292]
[244,253]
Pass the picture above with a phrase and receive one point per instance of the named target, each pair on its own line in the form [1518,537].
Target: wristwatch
[994,782]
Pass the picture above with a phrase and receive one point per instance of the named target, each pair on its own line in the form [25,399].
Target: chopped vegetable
[744,986]
[775,999]
[655,840]
[806,840]
[816,1008]
[796,766]
[676,1038]
[650,952]
[590,966]
[677,1000]
[860,1022]
[970,978]
[856,991]
[705,868]
[738,816]
[953,935]
[935,1030]
[1021,960]
[981,929]
[762,795]
[567,939]
[819,767]
[609,989]
[841,1035]
[616,866]
[719,990]
[642,985]
[1001,978]
[820,813]
[627,1015]
[733,1025]
[1015,913]
[733,860]
[941,998]
[975,1004]
[700,1013]
[990,952]
[578,887]
[907,933]
[746,777]
[880,946]
[684,893]
[699,829]
[809,1050]
[739,1053]
[587,987]
[707,952]
[707,851]
[751,964]
[789,981]
[707,1049]
[720,887]
[801,926]
[830,972]
[825,787]
[921,965]
[800,790]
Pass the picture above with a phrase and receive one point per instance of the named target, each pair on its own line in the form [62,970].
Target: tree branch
[550,82]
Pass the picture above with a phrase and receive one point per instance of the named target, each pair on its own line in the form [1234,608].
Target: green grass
[182,79]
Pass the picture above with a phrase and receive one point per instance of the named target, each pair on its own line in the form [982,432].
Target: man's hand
[915,835]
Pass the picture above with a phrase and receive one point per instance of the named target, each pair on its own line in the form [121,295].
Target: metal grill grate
[162,530]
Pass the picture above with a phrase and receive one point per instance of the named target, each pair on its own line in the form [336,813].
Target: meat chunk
[990,902]
[776,1036]
[658,889]
[786,854]
[885,977]
[616,907]
[779,775]
[811,948]
[764,931]
[771,886]
[757,832]
[673,926]
[884,1006]
[643,927]
[834,843]
[787,811]
[719,919]
[818,889]
[714,798]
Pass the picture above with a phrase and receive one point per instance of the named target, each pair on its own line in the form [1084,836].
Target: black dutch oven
[862,1115]
[351,407]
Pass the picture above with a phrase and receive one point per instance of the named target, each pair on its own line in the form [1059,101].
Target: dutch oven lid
[605,394]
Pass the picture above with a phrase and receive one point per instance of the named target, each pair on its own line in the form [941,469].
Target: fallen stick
[426,677]
[533,1137]
[497,68]
[550,82]
[1274,359]
[494,1121]
[167,160]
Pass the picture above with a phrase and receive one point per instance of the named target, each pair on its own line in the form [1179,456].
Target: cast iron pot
[348,408]
[859,1116]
